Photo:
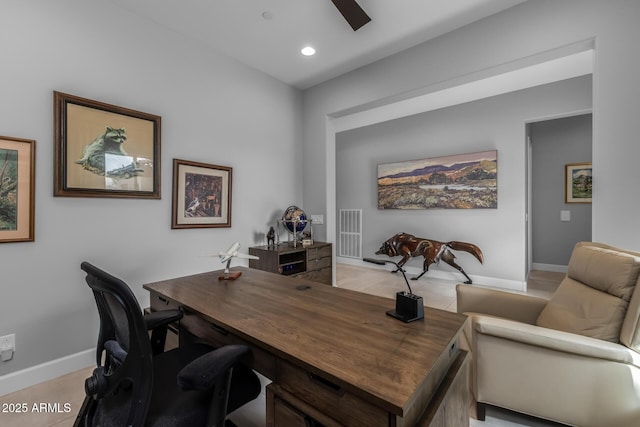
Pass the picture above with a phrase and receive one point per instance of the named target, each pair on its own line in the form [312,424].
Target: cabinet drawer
[329,398]
[318,263]
[217,336]
[321,252]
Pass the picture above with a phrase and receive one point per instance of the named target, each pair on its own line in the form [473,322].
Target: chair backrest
[121,384]
[598,296]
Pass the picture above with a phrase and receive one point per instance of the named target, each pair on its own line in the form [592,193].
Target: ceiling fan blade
[352,12]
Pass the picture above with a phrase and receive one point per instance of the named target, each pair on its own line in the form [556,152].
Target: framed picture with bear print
[103,150]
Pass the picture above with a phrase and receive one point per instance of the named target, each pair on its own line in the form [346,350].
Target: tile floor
[438,293]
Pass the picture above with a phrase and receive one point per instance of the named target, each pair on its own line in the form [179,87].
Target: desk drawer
[217,336]
[286,410]
[321,276]
[160,303]
[329,398]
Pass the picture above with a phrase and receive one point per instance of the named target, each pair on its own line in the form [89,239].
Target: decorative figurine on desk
[271,238]
[409,306]
[408,245]
[232,252]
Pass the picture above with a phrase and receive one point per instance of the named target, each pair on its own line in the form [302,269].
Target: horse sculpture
[271,238]
[408,245]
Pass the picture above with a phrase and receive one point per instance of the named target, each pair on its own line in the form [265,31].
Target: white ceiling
[237,28]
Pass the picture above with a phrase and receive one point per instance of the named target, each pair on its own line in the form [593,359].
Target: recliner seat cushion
[593,299]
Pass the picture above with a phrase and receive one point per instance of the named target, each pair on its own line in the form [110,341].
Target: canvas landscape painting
[464,181]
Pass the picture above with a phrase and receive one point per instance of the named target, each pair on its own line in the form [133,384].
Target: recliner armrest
[522,308]
[554,340]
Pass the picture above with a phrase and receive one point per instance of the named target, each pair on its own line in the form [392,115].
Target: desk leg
[450,405]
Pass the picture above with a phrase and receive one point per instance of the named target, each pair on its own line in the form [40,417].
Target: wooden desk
[333,354]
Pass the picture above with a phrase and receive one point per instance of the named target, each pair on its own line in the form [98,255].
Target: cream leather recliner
[575,358]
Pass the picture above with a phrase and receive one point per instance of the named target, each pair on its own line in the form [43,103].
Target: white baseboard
[33,375]
[549,267]
[512,285]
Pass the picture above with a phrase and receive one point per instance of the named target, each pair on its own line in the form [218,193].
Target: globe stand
[294,226]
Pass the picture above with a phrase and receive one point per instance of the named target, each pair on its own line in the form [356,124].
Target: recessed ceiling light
[308,51]
[267,15]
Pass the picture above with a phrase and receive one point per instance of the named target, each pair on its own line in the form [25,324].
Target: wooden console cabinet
[308,262]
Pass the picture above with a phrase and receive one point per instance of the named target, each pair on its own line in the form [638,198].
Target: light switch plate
[565,215]
[317,219]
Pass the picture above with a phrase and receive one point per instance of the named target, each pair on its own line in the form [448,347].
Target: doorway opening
[555,224]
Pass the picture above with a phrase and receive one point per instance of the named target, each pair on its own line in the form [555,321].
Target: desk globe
[294,219]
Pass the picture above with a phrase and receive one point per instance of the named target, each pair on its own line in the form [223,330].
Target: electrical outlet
[7,347]
[8,341]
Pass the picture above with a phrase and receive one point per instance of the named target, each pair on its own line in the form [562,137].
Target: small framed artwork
[102,150]
[17,189]
[578,183]
[201,195]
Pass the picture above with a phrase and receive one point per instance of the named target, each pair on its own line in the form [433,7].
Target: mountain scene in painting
[466,181]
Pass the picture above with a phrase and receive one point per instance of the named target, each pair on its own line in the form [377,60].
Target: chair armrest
[157,322]
[156,319]
[208,369]
[551,339]
[522,308]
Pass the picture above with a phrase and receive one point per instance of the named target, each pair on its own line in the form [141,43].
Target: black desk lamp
[409,307]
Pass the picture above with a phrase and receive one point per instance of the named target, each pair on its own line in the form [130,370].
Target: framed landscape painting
[578,183]
[17,189]
[463,181]
[201,195]
[102,150]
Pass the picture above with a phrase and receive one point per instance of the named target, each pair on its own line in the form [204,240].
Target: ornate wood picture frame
[102,150]
[201,195]
[17,189]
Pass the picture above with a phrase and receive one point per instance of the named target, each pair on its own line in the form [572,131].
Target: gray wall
[556,143]
[213,110]
[529,29]
[496,123]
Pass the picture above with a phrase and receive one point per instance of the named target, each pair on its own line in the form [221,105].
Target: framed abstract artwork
[578,183]
[201,195]
[17,189]
[102,150]
[461,181]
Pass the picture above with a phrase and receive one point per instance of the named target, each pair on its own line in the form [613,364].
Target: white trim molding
[33,375]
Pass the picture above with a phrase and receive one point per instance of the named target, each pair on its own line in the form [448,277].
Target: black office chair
[137,384]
